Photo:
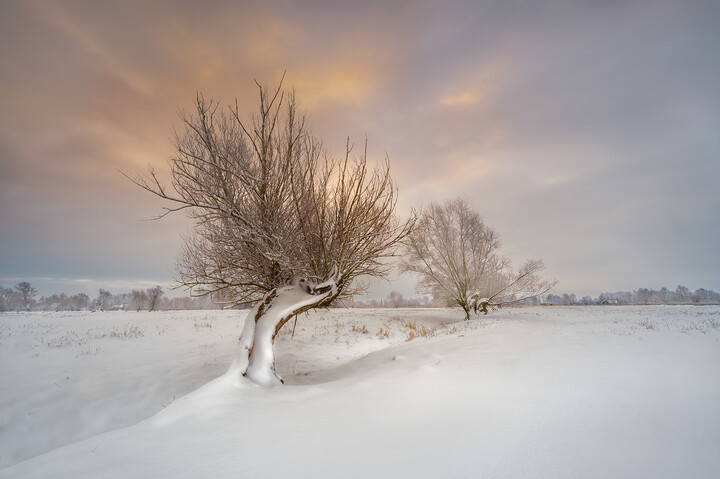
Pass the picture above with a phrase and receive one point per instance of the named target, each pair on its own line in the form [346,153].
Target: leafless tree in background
[396,299]
[138,299]
[278,222]
[9,299]
[27,294]
[153,297]
[103,299]
[458,260]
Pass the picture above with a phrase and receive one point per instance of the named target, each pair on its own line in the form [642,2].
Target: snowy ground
[531,392]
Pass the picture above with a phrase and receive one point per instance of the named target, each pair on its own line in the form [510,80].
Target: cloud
[578,130]
[62,20]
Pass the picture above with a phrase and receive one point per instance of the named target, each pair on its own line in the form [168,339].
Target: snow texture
[550,392]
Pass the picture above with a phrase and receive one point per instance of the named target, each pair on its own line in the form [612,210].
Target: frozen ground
[532,392]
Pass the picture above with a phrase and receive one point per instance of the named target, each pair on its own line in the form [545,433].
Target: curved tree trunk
[466,308]
[256,359]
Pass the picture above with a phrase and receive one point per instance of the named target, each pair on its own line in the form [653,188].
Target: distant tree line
[395,300]
[681,295]
[23,297]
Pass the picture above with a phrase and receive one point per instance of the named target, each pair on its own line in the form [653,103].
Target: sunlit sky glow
[587,133]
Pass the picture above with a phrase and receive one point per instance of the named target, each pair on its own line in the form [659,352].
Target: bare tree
[458,260]
[138,299]
[27,293]
[396,299]
[9,299]
[153,297]
[63,302]
[79,301]
[103,299]
[278,222]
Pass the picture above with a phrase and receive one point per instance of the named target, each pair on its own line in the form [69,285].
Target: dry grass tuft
[383,333]
[418,330]
[362,329]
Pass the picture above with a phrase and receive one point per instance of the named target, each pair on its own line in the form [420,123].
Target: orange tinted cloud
[335,85]
[462,99]
[529,111]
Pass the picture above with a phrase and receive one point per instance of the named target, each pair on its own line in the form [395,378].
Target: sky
[586,133]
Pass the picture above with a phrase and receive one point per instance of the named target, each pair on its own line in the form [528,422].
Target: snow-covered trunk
[478,304]
[256,359]
[465,305]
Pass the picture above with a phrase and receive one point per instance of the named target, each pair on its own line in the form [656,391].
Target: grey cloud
[585,132]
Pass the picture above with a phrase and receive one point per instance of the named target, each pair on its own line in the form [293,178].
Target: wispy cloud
[60,18]
[568,127]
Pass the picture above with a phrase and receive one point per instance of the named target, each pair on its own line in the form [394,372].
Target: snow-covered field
[528,392]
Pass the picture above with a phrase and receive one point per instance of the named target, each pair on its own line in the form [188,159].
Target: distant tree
[80,301]
[707,296]
[9,299]
[27,294]
[569,299]
[664,295]
[682,295]
[396,300]
[63,302]
[586,300]
[138,300]
[103,299]
[458,260]
[643,295]
[554,299]
[279,223]
[153,297]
